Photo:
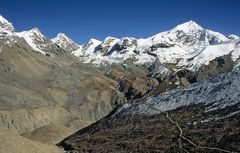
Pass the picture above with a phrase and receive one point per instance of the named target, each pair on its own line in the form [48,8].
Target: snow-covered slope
[7,32]
[65,43]
[5,25]
[33,38]
[87,50]
[209,53]
[217,93]
[234,37]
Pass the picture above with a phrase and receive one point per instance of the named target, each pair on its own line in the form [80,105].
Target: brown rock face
[136,86]
[217,66]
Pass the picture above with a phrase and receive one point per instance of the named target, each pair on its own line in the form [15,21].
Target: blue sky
[82,20]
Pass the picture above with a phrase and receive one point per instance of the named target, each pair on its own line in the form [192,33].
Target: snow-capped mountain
[187,45]
[65,43]
[106,45]
[6,31]
[34,38]
[5,25]
[88,48]
[61,45]
[232,36]
[41,43]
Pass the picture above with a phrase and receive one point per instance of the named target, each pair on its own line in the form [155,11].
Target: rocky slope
[42,84]
[203,117]
[34,87]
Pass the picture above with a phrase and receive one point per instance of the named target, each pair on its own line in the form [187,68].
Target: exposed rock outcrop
[136,86]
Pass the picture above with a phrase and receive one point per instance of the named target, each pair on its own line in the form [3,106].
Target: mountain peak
[110,38]
[36,32]
[61,37]
[94,41]
[4,24]
[110,41]
[191,22]
[33,35]
[232,36]
[65,43]
[190,25]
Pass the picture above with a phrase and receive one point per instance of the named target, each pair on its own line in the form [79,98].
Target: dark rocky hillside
[203,117]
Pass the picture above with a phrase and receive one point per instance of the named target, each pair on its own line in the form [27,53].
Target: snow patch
[29,36]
